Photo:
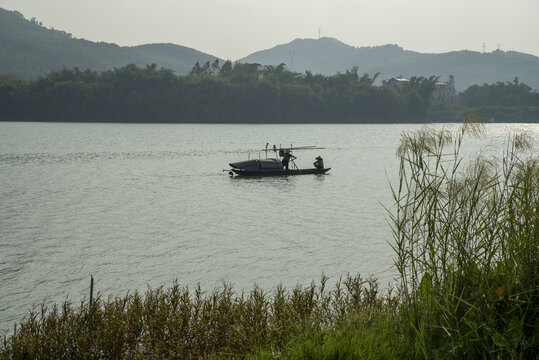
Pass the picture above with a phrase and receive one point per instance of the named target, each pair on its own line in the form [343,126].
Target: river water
[138,205]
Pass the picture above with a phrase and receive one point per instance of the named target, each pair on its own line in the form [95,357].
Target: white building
[444,93]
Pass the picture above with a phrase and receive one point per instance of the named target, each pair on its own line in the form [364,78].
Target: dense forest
[499,102]
[242,93]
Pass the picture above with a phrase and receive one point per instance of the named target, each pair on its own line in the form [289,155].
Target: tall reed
[466,235]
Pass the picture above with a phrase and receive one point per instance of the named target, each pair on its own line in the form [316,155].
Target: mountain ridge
[328,56]
[29,50]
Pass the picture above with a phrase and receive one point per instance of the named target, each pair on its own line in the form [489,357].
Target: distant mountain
[328,56]
[28,49]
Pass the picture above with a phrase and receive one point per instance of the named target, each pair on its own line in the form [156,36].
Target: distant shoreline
[252,94]
[260,123]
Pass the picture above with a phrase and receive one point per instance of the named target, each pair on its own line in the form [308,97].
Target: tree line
[511,101]
[512,93]
[227,93]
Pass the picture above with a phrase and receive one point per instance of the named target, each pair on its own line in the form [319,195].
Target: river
[138,205]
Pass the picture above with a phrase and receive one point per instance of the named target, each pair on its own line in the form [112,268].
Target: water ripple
[83,157]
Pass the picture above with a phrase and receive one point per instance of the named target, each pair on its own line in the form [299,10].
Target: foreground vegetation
[178,323]
[466,239]
[467,245]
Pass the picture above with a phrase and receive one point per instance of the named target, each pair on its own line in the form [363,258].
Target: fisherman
[319,163]
[287,156]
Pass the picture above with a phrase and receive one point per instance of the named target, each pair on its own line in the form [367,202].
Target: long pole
[313,147]
[91,290]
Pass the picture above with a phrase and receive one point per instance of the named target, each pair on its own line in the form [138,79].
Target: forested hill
[28,49]
[329,56]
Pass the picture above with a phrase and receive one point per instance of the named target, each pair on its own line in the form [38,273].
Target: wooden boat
[281,173]
[272,166]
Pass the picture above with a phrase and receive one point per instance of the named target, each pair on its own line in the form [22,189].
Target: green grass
[466,241]
[369,335]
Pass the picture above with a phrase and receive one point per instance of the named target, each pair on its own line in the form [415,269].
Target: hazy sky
[232,29]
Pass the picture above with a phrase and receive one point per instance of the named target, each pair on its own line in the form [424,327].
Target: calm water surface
[143,205]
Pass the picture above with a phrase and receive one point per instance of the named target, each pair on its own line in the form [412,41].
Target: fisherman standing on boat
[287,156]
[319,163]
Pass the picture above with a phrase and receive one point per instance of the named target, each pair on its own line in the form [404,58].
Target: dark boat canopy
[254,165]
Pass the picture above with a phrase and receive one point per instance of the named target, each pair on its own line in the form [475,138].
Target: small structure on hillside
[444,93]
[398,82]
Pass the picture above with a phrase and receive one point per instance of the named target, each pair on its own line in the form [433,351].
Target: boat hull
[262,172]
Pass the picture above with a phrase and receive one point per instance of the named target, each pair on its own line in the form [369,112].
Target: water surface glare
[140,205]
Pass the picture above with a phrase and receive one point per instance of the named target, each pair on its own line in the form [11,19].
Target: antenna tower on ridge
[318,33]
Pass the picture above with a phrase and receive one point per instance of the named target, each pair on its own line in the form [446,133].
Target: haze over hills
[29,50]
[328,56]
